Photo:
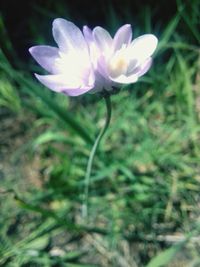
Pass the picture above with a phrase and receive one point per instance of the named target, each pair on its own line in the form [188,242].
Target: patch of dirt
[16,163]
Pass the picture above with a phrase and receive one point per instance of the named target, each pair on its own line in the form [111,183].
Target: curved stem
[92,154]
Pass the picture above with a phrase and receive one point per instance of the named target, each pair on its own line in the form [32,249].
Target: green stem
[92,154]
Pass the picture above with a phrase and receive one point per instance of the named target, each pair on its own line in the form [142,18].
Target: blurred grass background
[144,193]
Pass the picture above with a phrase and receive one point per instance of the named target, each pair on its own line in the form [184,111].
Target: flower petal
[102,67]
[136,73]
[102,39]
[68,36]
[93,49]
[77,91]
[58,84]
[46,56]
[141,69]
[122,36]
[145,67]
[143,47]
[87,32]
[123,79]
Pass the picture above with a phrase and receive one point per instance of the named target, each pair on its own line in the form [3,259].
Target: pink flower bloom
[93,60]
[119,60]
[69,65]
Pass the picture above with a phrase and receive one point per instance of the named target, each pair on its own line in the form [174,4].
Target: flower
[69,65]
[93,60]
[119,60]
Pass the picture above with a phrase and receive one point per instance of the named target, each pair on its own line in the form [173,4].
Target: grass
[144,189]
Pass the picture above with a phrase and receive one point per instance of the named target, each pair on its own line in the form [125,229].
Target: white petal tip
[31,50]
[127,25]
[152,40]
[58,20]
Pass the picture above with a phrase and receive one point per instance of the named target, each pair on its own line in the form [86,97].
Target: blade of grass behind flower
[189,20]
[168,32]
[187,84]
[5,42]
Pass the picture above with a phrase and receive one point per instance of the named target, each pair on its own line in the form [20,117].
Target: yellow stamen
[118,65]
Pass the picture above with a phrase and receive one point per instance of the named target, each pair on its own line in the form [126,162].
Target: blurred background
[144,191]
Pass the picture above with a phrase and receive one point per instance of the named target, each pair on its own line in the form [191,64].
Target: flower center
[118,65]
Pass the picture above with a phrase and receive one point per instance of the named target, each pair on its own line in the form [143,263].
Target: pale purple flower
[69,65]
[119,60]
[93,60]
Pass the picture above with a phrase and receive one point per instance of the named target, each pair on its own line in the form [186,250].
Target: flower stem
[92,154]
